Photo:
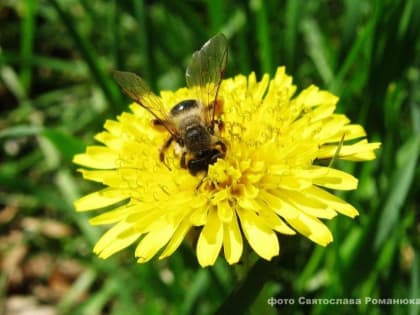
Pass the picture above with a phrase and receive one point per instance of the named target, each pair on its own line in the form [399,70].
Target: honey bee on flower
[255,142]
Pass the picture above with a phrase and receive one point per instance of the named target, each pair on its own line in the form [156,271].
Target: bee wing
[138,90]
[206,70]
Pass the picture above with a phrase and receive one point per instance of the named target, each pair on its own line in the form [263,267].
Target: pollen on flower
[268,183]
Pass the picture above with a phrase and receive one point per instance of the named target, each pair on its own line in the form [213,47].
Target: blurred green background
[56,92]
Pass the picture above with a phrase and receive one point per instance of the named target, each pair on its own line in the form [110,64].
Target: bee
[193,124]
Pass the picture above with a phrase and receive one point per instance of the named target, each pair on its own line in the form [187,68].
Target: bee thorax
[184,107]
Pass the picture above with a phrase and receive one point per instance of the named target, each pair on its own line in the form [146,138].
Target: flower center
[222,175]
[234,179]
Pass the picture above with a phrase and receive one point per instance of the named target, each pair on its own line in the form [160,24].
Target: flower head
[269,182]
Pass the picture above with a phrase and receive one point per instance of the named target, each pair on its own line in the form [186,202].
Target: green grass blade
[20,131]
[399,187]
[198,286]
[415,284]
[293,18]
[310,269]
[109,89]
[74,67]
[100,297]
[247,291]
[263,35]
[76,291]
[358,47]
[217,11]
[12,82]
[144,43]
[27,41]
[69,192]
[66,144]
[317,50]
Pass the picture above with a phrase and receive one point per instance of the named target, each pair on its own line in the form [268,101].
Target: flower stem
[243,296]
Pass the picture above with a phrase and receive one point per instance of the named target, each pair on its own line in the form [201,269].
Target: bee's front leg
[183,161]
[163,149]
[220,125]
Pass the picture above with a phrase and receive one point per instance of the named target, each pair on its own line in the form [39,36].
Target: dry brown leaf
[47,227]
[27,305]
[7,214]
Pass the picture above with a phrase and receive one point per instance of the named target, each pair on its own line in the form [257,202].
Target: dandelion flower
[270,182]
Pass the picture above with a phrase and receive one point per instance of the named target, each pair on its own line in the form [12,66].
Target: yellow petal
[282,82]
[176,239]
[257,91]
[224,211]
[97,157]
[312,96]
[330,127]
[260,237]
[112,142]
[114,127]
[349,132]
[232,241]
[146,221]
[279,206]
[220,196]
[112,242]
[286,182]
[267,213]
[111,178]
[272,220]
[100,199]
[333,201]
[110,217]
[321,112]
[360,151]
[311,206]
[153,242]
[199,216]
[312,228]
[336,179]
[210,240]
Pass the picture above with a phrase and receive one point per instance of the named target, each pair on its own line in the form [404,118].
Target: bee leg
[220,124]
[221,145]
[216,109]
[184,160]
[200,182]
[159,125]
[163,150]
